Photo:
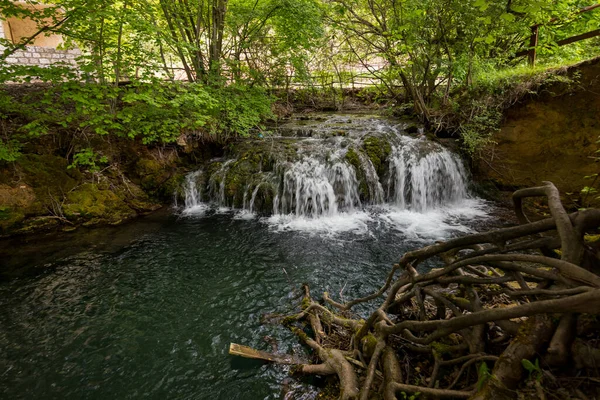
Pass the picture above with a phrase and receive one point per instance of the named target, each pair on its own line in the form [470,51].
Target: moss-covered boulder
[16,203]
[96,205]
[48,174]
[248,171]
[353,159]
[378,149]
[159,179]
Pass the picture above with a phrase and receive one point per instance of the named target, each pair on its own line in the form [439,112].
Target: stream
[148,309]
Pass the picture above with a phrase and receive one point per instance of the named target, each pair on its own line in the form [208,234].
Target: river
[148,309]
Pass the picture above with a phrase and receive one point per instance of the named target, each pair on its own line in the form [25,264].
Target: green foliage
[534,370]
[240,109]
[9,150]
[483,374]
[88,159]
[412,396]
[476,132]
[591,189]
[152,112]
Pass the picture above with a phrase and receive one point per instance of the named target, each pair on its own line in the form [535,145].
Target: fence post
[533,42]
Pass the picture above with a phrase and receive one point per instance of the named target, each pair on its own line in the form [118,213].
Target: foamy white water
[422,194]
[356,222]
[437,224]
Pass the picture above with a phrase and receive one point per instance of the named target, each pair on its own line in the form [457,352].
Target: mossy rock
[9,218]
[158,180]
[378,150]
[16,203]
[147,166]
[263,202]
[243,175]
[353,159]
[172,187]
[238,178]
[48,174]
[37,224]
[90,203]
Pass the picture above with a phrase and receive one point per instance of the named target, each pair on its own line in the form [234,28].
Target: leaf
[528,365]
[481,4]
[484,375]
[508,17]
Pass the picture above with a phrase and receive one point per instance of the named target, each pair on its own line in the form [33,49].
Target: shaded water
[151,312]
[155,317]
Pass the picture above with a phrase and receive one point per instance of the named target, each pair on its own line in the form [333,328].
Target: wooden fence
[531,52]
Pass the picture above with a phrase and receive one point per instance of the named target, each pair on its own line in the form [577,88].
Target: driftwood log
[514,312]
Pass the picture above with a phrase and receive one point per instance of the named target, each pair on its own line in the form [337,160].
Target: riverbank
[550,135]
[65,179]
[40,192]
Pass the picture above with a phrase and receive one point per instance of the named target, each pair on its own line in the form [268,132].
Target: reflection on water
[148,310]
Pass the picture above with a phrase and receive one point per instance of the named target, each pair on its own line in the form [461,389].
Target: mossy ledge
[40,191]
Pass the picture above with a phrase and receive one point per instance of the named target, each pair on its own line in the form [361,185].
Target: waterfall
[333,173]
[192,193]
[313,188]
[375,188]
[216,184]
[422,182]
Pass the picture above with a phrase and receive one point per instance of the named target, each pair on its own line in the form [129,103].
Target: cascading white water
[375,188]
[192,193]
[422,176]
[317,184]
[422,182]
[313,188]
[216,184]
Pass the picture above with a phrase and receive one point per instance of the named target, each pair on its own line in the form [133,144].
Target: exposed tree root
[464,329]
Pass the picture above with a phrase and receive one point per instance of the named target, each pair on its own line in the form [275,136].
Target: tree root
[465,329]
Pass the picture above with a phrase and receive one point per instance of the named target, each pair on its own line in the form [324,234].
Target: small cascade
[216,184]
[192,192]
[424,175]
[313,188]
[342,167]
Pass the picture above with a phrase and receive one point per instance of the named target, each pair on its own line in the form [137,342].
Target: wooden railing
[531,52]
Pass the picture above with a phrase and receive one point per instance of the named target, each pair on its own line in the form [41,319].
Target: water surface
[151,312]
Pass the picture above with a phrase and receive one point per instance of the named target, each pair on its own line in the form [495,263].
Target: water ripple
[154,318]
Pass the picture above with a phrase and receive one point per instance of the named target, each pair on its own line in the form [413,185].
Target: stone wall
[43,56]
[37,55]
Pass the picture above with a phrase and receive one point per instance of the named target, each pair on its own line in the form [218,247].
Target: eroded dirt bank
[550,136]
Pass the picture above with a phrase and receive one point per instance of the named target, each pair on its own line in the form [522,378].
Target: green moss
[369,342]
[378,150]
[146,166]
[37,224]
[353,159]
[441,348]
[305,303]
[9,217]
[91,203]
[48,175]
[243,176]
